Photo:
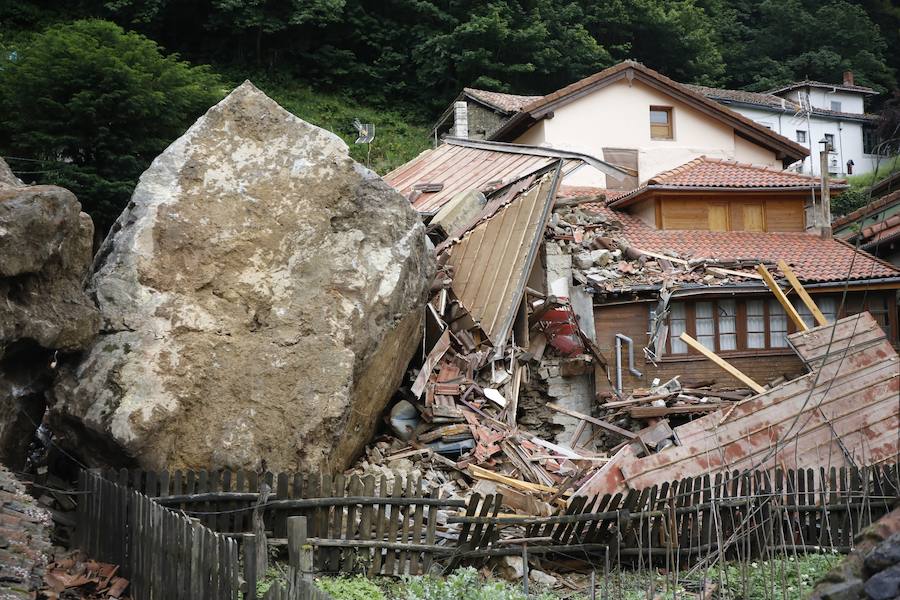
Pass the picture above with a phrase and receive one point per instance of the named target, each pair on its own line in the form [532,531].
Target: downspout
[619,338]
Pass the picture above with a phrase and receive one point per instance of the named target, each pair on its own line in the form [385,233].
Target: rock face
[45,255]
[261,297]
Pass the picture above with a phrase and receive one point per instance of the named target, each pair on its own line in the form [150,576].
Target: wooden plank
[349,560]
[322,519]
[782,299]
[480,473]
[334,556]
[380,520]
[647,412]
[365,519]
[393,523]
[722,363]
[416,533]
[802,293]
[598,422]
[279,517]
[402,565]
[430,533]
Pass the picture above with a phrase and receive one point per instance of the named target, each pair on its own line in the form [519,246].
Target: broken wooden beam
[646,412]
[725,365]
[598,422]
[782,299]
[802,293]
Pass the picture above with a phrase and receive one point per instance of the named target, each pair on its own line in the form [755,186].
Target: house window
[827,305]
[835,106]
[742,325]
[870,140]
[801,136]
[661,123]
[756,324]
[829,137]
[778,325]
[677,326]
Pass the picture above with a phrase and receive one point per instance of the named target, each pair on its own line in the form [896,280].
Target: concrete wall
[848,138]
[618,116]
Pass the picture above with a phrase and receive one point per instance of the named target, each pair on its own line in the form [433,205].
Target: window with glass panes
[750,324]
[725,325]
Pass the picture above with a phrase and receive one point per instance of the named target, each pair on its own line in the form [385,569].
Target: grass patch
[400,135]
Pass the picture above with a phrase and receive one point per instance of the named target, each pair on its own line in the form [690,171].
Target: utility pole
[825,199]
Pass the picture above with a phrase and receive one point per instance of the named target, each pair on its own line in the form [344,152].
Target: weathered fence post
[251,575]
[259,529]
[300,553]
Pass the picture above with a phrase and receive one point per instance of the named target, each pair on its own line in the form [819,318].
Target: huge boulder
[45,255]
[261,298]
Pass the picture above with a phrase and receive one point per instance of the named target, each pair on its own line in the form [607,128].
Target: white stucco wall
[848,138]
[618,116]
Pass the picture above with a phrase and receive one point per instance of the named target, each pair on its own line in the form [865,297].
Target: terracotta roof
[575,191]
[705,172]
[814,259]
[773,102]
[757,98]
[821,84]
[507,103]
[628,69]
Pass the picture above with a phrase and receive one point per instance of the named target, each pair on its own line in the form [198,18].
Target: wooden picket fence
[163,554]
[740,515]
[360,525]
[355,524]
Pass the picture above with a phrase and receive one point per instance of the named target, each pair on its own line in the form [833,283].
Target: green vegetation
[262,585]
[90,106]
[858,194]
[350,588]
[781,577]
[397,139]
[88,103]
[462,584]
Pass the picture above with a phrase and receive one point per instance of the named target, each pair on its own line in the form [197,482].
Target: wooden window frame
[671,123]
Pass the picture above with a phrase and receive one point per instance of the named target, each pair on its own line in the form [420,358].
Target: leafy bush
[463,584]
[91,105]
[350,588]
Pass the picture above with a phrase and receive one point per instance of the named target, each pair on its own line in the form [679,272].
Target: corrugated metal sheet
[845,412]
[491,262]
[459,168]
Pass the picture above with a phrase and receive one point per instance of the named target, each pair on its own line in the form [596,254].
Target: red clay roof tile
[815,260]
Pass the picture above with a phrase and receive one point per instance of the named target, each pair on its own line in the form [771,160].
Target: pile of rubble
[476,414]
[75,576]
[605,263]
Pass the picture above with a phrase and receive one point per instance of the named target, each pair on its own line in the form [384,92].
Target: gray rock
[583,260]
[884,585]
[851,589]
[884,555]
[261,298]
[601,258]
[45,254]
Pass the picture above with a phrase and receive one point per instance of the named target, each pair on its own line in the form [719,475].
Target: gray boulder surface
[261,298]
[45,255]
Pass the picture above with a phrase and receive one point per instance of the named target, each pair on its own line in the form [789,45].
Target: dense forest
[95,82]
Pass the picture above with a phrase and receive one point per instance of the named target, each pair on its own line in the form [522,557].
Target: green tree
[677,38]
[96,104]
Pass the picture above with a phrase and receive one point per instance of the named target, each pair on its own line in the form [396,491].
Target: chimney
[848,78]
[460,119]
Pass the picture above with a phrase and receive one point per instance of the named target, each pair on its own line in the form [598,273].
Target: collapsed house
[587,335]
